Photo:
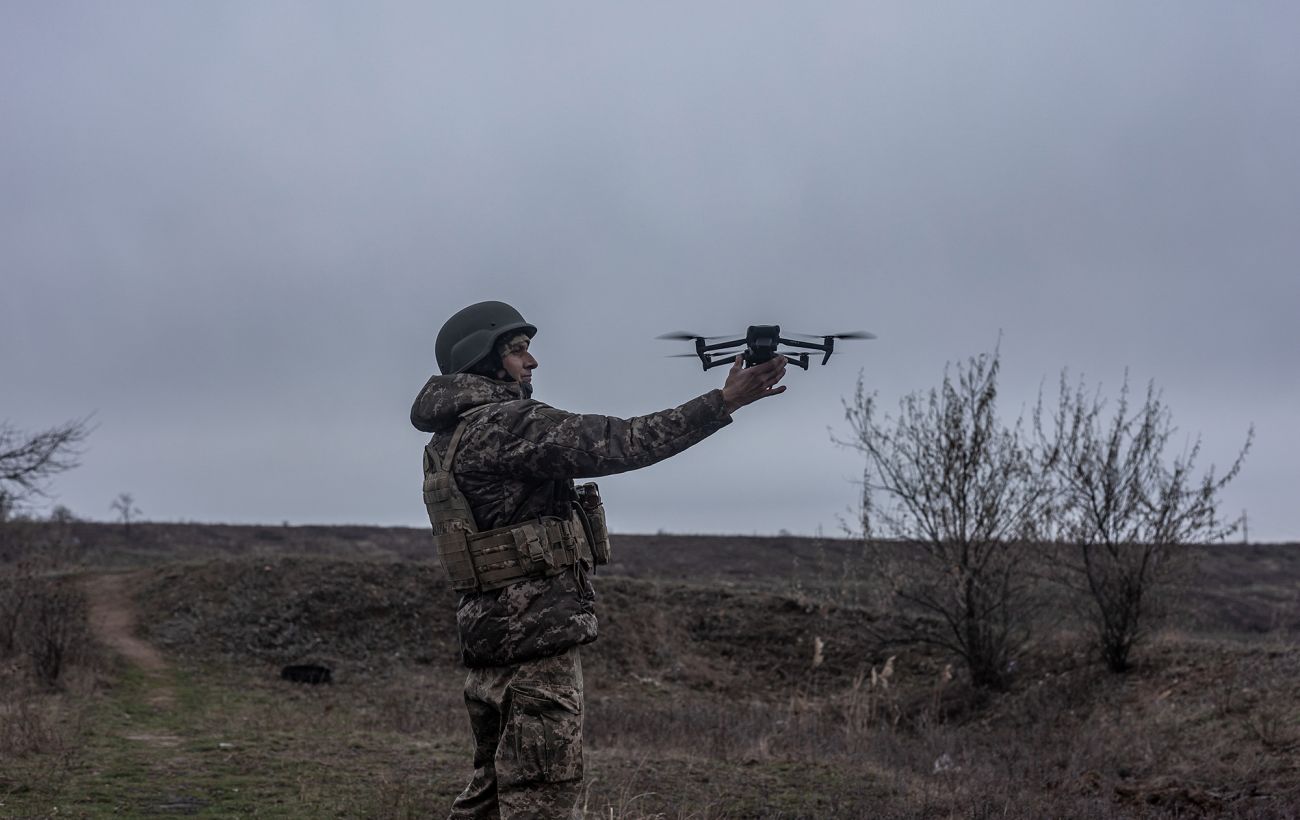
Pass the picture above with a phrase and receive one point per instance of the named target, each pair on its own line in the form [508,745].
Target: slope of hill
[1245,588]
[729,673]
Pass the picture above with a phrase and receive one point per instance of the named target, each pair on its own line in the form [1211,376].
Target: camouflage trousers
[527,724]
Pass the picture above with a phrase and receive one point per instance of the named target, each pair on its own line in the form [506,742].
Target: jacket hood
[444,398]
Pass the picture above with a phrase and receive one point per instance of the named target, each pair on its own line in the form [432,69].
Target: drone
[761,343]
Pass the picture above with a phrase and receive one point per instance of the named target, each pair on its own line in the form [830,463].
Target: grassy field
[703,698]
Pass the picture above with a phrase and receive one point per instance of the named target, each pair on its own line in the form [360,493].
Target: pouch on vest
[592,511]
[450,516]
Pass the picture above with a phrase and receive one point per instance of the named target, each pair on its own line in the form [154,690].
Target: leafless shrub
[53,631]
[37,550]
[15,590]
[1126,514]
[957,497]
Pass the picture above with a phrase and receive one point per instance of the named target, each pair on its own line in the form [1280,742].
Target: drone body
[762,343]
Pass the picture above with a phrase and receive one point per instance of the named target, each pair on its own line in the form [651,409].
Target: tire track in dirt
[113,620]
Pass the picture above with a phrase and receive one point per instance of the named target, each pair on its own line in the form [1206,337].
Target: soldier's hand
[748,385]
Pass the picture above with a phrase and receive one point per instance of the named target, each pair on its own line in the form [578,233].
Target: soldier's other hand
[748,385]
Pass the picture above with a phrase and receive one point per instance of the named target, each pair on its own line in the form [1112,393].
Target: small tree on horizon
[124,506]
[957,498]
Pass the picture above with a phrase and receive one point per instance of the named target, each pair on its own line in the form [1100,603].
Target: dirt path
[112,621]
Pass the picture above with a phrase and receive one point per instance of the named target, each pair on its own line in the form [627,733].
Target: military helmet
[468,337]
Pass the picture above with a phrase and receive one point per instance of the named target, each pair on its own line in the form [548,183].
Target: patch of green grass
[222,746]
[209,742]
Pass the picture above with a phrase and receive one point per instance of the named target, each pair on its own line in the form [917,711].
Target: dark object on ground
[307,673]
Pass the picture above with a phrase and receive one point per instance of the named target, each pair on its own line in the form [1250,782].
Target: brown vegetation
[762,693]
[42,613]
[48,667]
[729,679]
[959,499]
[1125,511]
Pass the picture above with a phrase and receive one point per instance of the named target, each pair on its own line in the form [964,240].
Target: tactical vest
[482,561]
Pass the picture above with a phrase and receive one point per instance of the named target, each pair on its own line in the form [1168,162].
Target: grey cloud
[218,216]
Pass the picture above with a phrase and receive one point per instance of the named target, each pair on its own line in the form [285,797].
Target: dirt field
[703,698]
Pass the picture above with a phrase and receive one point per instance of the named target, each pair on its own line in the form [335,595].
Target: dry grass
[42,727]
[744,703]
[703,702]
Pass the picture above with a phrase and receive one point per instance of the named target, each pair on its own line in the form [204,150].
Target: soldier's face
[518,364]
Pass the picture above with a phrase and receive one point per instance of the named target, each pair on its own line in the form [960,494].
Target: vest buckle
[533,554]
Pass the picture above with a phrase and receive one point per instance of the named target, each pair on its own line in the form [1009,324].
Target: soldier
[519,542]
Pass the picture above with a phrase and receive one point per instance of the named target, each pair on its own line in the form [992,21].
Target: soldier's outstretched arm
[532,439]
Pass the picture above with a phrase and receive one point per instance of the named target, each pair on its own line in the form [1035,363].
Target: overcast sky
[231,230]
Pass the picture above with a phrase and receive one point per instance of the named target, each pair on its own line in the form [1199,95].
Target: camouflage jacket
[516,461]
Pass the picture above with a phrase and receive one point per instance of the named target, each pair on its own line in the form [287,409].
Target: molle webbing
[482,561]
[500,557]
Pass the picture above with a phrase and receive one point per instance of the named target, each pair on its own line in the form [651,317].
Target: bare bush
[31,550]
[42,613]
[53,630]
[1127,514]
[15,590]
[956,497]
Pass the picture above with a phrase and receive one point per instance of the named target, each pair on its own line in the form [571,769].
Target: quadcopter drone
[761,343]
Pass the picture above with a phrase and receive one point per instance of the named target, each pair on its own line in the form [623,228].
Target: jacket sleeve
[528,439]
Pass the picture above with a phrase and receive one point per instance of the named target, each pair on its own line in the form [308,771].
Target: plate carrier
[483,561]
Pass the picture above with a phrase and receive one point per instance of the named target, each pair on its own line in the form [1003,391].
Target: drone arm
[717,362]
[809,345]
[801,359]
[703,348]
[827,347]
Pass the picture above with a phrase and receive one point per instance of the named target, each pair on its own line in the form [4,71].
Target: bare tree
[956,496]
[1126,512]
[29,460]
[124,506]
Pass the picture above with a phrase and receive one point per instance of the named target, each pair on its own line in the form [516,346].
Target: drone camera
[762,341]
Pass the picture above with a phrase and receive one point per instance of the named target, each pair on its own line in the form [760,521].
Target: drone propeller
[713,353]
[856,334]
[683,336]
